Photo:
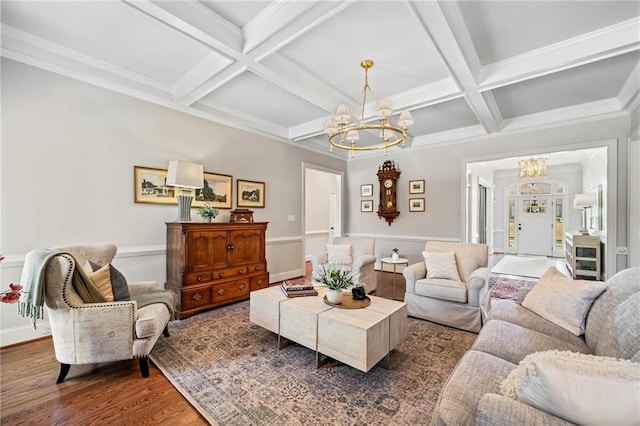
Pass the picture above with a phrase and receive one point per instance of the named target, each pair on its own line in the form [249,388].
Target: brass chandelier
[344,134]
[532,168]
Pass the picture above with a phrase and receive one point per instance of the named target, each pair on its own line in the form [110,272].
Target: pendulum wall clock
[388,178]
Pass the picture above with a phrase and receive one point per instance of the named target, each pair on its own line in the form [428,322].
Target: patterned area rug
[232,372]
[507,288]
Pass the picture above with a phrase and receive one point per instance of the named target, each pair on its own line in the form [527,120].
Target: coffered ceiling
[279,68]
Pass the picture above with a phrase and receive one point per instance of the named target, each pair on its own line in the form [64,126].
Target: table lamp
[584,201]
[186,176]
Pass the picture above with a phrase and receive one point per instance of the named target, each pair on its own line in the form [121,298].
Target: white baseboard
[11,336]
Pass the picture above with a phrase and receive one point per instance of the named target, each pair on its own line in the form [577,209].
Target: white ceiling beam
[245,119]
[443,34]
[598,45]
[629,94]
[205,70]
[214,82]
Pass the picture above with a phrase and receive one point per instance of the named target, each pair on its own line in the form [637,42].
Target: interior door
[535,225]
[332,217]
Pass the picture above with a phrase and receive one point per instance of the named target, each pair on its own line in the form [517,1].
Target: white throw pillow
[580,388]
[562,300]
[339,254]
[441,265]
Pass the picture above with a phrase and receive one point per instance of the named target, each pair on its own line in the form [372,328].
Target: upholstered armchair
[456,301]
[362,256]
[87,333]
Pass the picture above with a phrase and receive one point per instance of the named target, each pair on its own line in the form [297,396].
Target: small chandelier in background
[343,134]
[532,168]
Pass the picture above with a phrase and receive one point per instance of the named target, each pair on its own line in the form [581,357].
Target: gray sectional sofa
[472,396]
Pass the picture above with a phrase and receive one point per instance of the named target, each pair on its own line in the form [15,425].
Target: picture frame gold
[416,204]
[416,186]
[250,193]
[149,186]
[366,190]
[366,206]
[217,191]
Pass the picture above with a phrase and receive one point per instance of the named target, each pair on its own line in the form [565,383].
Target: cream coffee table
[359,338]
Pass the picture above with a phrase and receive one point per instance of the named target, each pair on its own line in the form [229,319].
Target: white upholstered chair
[88,333]
[456,303]
[363,259]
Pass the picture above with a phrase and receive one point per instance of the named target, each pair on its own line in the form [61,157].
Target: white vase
[334,296]
[395,256]
[206,219]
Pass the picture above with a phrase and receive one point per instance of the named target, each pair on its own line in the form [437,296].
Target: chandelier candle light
[532,168]
[343,133]
[186,176]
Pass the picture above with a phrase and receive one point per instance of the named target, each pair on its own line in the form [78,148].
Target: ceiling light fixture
[343,134]
[532,168]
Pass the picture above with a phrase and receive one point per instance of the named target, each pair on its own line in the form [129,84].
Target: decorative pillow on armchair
[441,265]
[119,288]
[339,254]
[580,388]
[562,300]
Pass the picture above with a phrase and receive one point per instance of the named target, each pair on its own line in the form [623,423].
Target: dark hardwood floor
[111,393]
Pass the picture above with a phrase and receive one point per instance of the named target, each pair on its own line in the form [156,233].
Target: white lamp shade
[387,134]
[406,119]
[353,135]
[384,108]
[342,114]
[330,127]
[585,200]
[185,174]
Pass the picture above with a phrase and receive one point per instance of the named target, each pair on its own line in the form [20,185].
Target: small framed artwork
[366,190]
[250,193]
[149,185]
[416,186]
[416,204]
[366,206]
[217,191]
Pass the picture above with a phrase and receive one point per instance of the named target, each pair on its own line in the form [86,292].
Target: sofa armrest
[477,286]
[317,260]
[364,260]
[142,287]
[412,273]
[497,410]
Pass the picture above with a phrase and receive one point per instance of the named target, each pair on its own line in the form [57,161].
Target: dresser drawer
[229,291]
[259,282]
[257,267]
[198,278]
[195,298]
[222,274]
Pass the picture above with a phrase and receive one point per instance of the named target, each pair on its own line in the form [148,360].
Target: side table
[394,262]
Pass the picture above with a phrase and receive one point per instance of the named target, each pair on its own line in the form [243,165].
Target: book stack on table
[298,290]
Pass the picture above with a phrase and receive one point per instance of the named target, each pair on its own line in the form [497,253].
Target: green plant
[336,277]
[395,250]
[208,211]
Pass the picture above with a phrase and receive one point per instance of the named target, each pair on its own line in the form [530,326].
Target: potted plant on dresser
[207,212]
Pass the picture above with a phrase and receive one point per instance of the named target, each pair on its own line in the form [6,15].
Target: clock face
[388,183]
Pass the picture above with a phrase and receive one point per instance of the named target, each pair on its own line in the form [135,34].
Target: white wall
[67,156]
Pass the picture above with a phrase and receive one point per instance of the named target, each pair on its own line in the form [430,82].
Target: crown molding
[629,95]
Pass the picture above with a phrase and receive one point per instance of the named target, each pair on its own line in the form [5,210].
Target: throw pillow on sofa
[580,388]
[441,265]
[339,254]
[562,300]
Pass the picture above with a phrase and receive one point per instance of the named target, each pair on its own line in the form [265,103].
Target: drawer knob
[221,292]
[240,271]
[199,278]
[197,296]
[259,282]
[229,246]
[221,275]
[257,268]
[242,287]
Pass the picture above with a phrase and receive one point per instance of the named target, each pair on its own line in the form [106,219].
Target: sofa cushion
[477,373]
[442,289]
[609,321]
[339,254]
[512,342]
[563,301]
[573,386]
[509,311]
[151,320]
[441,265]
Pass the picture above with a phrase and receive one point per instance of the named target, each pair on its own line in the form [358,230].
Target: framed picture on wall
[416,186]
[416,204]
[366,206]
[366,190]
[149,186]
[217,191]
[250,193]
